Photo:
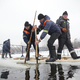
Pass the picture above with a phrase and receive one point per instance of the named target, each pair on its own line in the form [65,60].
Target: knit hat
[40,16]
[26,24]
[65,13]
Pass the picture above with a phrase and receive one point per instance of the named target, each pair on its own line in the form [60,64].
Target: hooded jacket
[27,33]
[6,46]
[48,27]
[63,23]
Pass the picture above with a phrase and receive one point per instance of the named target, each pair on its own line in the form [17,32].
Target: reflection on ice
[41,72]
[51,72]
[5,74]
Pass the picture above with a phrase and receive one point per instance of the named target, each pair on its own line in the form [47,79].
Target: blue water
[40,72]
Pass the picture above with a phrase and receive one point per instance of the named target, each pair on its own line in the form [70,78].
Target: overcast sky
[13,14]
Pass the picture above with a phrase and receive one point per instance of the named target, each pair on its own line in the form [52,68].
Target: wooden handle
[36,40]
[36,46]
[30,39]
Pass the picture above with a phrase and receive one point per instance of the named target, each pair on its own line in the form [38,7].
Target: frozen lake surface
[10,70]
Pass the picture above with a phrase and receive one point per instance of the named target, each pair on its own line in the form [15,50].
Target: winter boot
[28,56]
[52,55]
[2,55]
[10,55]
[40,55]
[58,56]
[74,55]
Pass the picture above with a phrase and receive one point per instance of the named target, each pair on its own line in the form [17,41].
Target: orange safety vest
[45,22]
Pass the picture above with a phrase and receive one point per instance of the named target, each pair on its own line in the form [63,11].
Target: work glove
[32,30]
[64,29]
[28,42]
[35,26]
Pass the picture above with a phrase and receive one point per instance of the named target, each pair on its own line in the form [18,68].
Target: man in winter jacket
[28,28]
[6,48]
[64,38]
[48,27]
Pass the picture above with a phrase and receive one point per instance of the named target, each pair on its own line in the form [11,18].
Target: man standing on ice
[48,27]
[6,48]
[28,28]
[64,38]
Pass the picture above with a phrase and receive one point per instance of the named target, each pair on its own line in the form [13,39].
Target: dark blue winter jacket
[6,47]
[26,35]
[48,27]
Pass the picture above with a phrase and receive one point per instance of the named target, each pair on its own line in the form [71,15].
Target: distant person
[64,38]
[48,27]
[6,48]
[28,28]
